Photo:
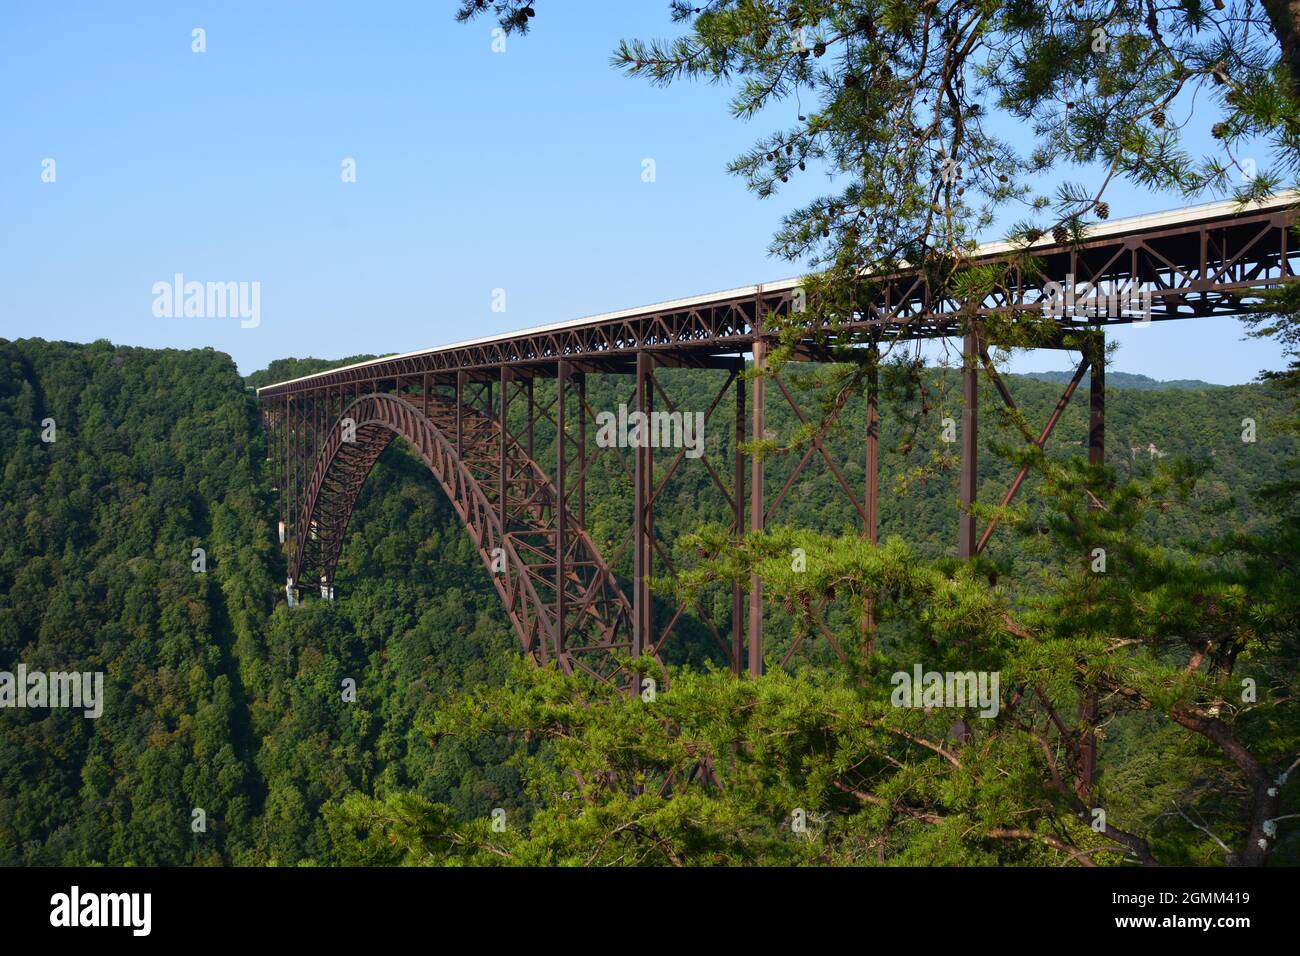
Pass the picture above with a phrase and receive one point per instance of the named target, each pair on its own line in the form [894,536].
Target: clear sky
[475,171]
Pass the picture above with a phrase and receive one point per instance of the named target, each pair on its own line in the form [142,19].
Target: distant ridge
[1141,383]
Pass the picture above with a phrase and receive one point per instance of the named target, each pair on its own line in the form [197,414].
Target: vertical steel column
[284,467]
[315,434]
[1088,706]
[872,501]
[503,485]
[642,618]
[532,413]
[561,484]
[1097,400]
[291,475]
[757,514]
[317,416]
[460,400]
[969,443]
[299,443]
[872,523]
[580,380]
[738,517]
[649,565]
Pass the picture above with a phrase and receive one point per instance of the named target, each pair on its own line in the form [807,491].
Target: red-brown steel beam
[580,380]
[1046,433]
[1254,254]
[872,524]
[503,428]
[561,510]
[532,414]
[816,445]
[1097,400]
[642,525]
[969,443]
[460,406]
[661,483]
[738,529]
[1232,260]
[1089,705]
[757,510]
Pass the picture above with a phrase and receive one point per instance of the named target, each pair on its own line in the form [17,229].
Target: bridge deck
[1197,261]
[471,412]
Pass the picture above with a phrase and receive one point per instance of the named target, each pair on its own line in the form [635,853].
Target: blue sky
[475,171]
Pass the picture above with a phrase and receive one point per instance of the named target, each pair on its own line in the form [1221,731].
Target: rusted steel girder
[536,583]
[1192,269]
[461,407]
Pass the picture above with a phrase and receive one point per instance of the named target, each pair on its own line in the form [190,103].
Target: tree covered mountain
[220,699]
[1129,380]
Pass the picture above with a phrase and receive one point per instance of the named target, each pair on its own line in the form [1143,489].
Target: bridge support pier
[871,521]
[757,508]
[580,381]
[738,529]
[1097,400]
[1088,705]
[643,517]
[969,443]
[503,434]
[561,505]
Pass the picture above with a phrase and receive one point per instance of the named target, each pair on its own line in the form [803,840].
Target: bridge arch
[575,614]
[1205,261]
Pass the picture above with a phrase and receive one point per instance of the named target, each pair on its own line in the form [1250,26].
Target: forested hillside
[221,699]
[217,697]
[1130,380]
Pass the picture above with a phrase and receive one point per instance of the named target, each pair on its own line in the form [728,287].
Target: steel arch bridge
[471,413]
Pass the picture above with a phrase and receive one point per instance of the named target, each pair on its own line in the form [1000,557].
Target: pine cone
[1103,210]
[1061,235]
[1158,117]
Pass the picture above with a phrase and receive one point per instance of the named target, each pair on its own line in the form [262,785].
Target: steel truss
[473,415]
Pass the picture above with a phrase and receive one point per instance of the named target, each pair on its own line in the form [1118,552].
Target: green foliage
[218,697]
[823,766]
